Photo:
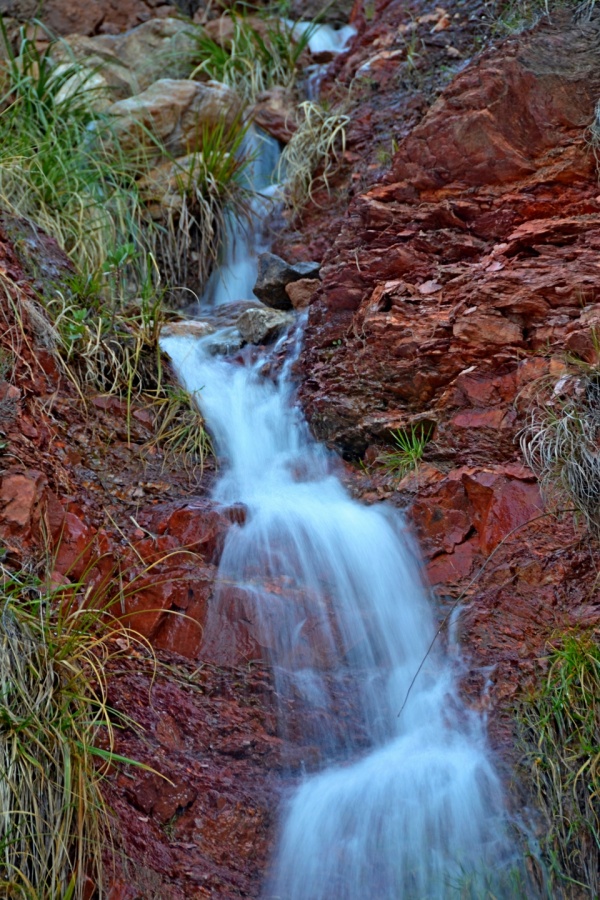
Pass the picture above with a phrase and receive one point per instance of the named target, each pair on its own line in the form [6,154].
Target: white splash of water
[322,38]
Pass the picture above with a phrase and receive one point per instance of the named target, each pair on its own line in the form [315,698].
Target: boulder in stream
[259,325]
[174,112]
[274,274]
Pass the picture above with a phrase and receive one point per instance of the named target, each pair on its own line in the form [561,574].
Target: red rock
[107,16]
[22,496]
[302,291]
[480,329]
[74,547]
[170,577]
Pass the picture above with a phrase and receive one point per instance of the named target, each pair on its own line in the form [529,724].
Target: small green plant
[410,446]
[314,152]
[560,741]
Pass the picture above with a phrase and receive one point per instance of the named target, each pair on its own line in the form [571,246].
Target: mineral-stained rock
[260,325]
[479,247]
[301,292]
[454,288]
[273,276]
[174,112]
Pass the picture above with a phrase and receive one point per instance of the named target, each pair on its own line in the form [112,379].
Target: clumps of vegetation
[314,152]
[120,354]
[560,740]
[61,169]
[254,57]
[58,167]
[518,15]
[54,715]
[194,197]
[561,443]
[409,448]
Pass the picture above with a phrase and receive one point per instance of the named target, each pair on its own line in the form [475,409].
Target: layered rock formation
[457,284]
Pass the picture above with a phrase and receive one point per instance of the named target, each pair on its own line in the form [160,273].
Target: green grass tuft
[410,446]
[560,741]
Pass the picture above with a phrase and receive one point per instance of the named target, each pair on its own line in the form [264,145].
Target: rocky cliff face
[458,283]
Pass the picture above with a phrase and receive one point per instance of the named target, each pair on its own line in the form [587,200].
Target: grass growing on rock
[561,443]
[61,170]
[314,152]
[560,741]
[58,166]
[53,713]
[409,449]
[255,56]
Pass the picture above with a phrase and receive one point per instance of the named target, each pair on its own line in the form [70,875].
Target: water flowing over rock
[326,590]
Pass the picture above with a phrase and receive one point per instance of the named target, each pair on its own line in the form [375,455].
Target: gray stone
[196,328]
[273,276]
[225,342]
[259,325]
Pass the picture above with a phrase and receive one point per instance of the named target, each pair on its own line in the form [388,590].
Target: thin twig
[461,597]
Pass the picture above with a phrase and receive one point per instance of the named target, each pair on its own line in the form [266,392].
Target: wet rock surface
[274,276]
[261,325]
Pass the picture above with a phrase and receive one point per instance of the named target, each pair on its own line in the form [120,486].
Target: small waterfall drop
[403,806]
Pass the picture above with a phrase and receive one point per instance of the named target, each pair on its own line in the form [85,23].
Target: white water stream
[402,807]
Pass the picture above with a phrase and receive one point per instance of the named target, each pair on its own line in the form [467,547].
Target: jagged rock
[273,276]
[259,325]
[301,292]
[174,112]
[157,48]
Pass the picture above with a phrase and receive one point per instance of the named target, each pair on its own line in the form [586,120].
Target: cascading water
[404,806]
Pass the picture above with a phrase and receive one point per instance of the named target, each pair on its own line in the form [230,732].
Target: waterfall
[405,806]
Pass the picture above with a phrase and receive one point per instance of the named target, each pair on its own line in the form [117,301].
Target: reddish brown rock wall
[456,284]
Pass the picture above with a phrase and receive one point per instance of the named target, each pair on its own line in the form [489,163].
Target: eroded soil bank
[460,263]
